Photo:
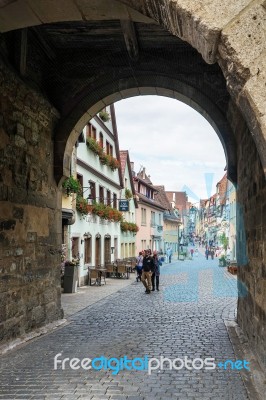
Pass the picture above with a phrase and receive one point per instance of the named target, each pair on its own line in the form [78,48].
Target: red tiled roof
[162,198]
[149,201]
[180,199]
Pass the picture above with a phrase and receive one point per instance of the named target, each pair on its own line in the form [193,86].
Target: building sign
[123,205]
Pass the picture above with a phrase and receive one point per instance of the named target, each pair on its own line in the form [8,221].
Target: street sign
[123,205]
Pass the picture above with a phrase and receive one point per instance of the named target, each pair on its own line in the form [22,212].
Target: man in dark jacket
[148,269]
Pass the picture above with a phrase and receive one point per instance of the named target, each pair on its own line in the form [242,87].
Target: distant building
[149,214]
[179,201]
[216,219]
[129,228]
[171,221]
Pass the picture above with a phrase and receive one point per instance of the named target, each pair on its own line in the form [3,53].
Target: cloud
[174,142]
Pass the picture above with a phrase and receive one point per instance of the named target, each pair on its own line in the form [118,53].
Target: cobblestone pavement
[185,318]
[87,295]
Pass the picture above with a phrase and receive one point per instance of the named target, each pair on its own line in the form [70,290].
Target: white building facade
[96,235]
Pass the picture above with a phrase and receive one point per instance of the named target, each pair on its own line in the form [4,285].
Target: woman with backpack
[139,266]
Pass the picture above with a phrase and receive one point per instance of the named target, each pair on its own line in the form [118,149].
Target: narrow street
[185,318]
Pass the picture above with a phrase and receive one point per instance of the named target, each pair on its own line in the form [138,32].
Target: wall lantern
[112,250]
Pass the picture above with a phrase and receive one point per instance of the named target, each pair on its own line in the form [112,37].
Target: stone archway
[42,104]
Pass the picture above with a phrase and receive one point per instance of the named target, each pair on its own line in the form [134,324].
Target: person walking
[139,266]
[147,270]
[212,254]
[191,253]
[207,253]
[169,253]
[156,273]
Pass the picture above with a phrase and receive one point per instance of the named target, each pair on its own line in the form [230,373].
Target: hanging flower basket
[128,194]
[105,116]
[71,185]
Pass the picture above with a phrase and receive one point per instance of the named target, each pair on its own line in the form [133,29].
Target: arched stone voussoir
[199,23]
[252,103]
[68,131]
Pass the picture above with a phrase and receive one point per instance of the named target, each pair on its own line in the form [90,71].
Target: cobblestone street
[185,318]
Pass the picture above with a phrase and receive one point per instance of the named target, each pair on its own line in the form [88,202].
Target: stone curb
[254,380]
[11,345]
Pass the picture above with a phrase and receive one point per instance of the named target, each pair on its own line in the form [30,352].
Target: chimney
[143,173]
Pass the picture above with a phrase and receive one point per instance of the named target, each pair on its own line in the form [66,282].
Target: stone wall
[251,240]
[30,220]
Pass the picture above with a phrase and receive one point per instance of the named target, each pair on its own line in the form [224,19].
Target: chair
[101,274]
[109,269]
[121,270]
[93,274]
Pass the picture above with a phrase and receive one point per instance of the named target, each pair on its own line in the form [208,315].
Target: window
[101,140]
[143,244]
[152,218]
[142,190]
[108,195]
[91,131]
[143,216]
[125,182]
[101,194]
[107,147]
[114,200]
[92,190]
[111,150]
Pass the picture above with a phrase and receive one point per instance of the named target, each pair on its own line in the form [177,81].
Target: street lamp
[178,241]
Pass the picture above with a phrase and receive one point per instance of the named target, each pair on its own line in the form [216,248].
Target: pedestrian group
[148,270]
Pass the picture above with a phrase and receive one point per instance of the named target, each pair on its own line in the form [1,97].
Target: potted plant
[232,268]
[82,206]
[112,162]
[103,158]
[222,261]
[94,146]
[71,185]
[71,275]
[129,226]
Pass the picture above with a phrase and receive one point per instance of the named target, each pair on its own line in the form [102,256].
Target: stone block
[38,315]
[20,130]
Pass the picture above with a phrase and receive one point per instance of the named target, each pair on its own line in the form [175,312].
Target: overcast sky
[176,145]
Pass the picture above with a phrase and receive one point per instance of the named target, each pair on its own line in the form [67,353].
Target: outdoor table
[98,274]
